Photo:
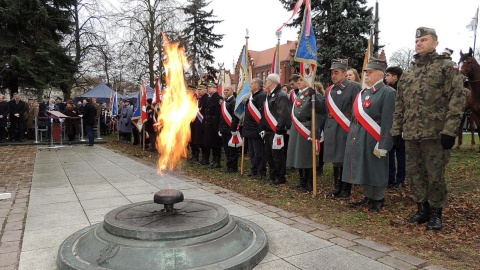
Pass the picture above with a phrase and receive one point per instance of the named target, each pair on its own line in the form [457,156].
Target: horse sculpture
[470,68]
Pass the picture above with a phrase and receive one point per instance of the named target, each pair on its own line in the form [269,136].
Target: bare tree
[143,22]
[402,58]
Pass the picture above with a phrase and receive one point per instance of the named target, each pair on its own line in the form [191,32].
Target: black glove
[447,141]
[397,141]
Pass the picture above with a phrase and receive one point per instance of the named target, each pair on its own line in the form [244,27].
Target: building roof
[265,57]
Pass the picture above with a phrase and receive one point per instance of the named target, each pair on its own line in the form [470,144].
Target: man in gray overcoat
[339,99]
[369,139]
[125,121]
[299,153]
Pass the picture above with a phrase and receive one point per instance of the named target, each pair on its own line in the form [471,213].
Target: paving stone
[6,204]
[303,220]
[8,259]
[342,242]
[373,254]
[286,214]
[373,245]
[18,210]
[319,226]
[21,200]
[12,226]
[342,234]
[244,203]
[273,208]
[259,209]
[11,236]
[407,258]
[322,234]
[10,247]
[10,267]
[4,212]
[303,227]
[396,263]
[285,220]
[15,217]
[272,214]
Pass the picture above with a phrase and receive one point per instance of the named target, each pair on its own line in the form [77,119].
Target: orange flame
[178,110]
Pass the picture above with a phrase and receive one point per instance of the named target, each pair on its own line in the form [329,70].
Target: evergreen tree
[200,38]
[341,29]
[31,33]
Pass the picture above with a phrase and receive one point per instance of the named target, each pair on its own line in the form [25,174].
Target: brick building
[261,62]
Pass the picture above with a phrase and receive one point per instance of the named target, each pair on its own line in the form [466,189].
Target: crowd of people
[401,126]
[19,120]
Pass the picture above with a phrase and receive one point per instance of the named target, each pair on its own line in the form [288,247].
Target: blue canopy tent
[133,96]
[102,92]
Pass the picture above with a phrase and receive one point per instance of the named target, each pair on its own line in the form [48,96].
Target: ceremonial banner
[243,91]
[306,52]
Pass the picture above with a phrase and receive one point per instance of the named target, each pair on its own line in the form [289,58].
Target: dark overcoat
[197,126]
[4,110]
[211,121]
[251,128]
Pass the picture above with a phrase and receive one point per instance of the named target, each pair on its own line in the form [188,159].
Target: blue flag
[114,107]
[137,114]
[306,52]
[243,91]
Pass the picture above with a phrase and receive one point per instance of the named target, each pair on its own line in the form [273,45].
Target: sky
[398,22]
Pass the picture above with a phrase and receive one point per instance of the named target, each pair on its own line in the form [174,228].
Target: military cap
[201,86]
[339,63]
[30,98]
[423,31]
[448,51]
[212,84]
[377,64]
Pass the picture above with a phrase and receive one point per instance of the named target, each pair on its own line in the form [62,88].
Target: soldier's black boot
[194,157]
[309,180]
[346,191]
[337,176]
[377,205]
[365,201]
[303,180]
[435,219]
[216,163]
[422,214]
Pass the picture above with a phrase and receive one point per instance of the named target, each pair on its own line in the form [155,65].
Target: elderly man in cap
[212,140]
[125,121]
[18,108]
[196,143]
[339,100]
[428,111]
[369,139]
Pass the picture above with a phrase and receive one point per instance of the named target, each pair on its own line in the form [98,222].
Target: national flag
[295,10]
[275,68]
[472,26]
[140,112]
[220,84]
[306,52]
[243,84]
[113,103]
[157,96]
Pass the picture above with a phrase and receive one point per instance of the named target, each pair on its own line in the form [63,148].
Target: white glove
[219,134]
[379,152]
[262,134]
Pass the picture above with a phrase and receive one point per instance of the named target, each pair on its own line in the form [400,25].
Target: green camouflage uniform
[429,103]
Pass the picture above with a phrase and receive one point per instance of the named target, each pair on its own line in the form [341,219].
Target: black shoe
[377,205]
[299,186]
[435,219]
[203,162]
[278,182]
[193,159]
[214,165]
[398,186]
[365,201]
[422,214]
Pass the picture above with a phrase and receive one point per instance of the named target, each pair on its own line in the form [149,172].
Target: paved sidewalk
[75,187]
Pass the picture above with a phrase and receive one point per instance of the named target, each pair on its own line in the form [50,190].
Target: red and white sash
[365,120]
[235,140]
[272,122]
[226,115]
[337,114]
[199,115]
[304,130]
[293,96]
[253,110]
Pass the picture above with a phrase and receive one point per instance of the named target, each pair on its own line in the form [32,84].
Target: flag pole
[475,34]
[242,160]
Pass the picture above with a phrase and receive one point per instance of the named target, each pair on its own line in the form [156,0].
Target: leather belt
[347,114]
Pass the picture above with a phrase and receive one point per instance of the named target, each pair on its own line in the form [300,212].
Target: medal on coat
[339,92]
[298,103]
[302,96]
[367,102]
[273,95]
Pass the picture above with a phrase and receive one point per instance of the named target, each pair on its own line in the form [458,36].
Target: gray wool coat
[361,166]
[335,136]
[299,152]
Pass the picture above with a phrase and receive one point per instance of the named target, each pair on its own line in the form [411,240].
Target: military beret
[201,86]
[423,31]
[212,84]
[339,63]
[377,64]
